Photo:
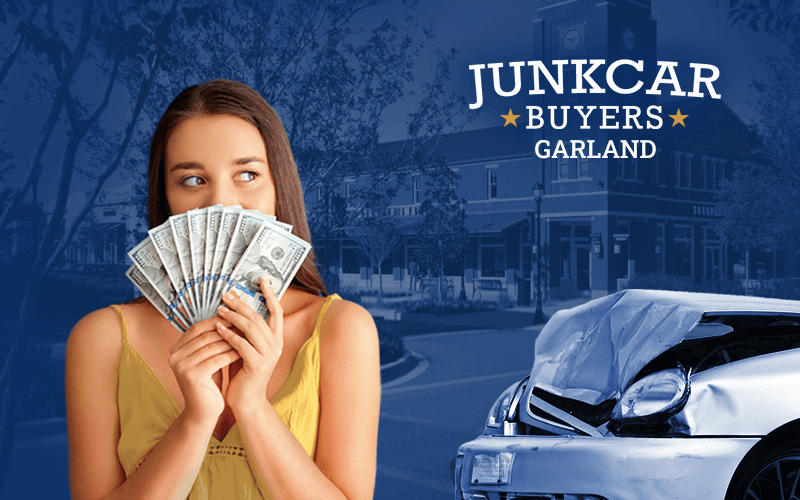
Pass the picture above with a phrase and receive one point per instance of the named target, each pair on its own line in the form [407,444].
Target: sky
[482,33]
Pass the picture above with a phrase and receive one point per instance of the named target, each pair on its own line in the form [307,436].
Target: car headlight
[654,398]
[500,407]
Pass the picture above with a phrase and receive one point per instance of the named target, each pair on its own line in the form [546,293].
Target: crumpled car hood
[591,352]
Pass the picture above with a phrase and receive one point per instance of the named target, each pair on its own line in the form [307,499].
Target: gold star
[510,118]
[678,118]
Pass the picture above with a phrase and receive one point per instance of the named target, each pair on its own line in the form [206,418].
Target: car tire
[770,472]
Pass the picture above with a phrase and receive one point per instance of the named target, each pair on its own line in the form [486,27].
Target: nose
[221,193]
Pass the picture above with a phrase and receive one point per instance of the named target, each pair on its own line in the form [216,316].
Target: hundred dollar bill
[286,227]
[145,258]
[138,278]
[168,253]
[272,254]
[179,225]
[197,246]
[212,229]
[228,219]
[246,227]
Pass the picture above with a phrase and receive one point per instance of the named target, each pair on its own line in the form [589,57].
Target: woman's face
[219,159]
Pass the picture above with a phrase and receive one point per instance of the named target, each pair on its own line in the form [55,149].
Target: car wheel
[771,474]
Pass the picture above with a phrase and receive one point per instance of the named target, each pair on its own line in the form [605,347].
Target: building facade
[603,220]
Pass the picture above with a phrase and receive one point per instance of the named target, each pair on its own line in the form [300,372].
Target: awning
[493,223]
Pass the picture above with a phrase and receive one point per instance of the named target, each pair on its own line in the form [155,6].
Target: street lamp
[538,191]
[462,205]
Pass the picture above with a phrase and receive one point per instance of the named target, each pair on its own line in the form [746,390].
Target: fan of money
[187,263]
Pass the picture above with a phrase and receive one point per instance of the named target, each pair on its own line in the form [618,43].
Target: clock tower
[591,242]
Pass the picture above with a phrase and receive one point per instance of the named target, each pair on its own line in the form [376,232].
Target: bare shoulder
[348,331]
[99,332]
[347,318]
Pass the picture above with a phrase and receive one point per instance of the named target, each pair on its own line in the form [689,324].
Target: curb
[398,368]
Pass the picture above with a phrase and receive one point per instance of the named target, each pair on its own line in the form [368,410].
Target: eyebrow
[191,165]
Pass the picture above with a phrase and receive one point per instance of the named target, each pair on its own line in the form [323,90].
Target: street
[425,416]
[424,420]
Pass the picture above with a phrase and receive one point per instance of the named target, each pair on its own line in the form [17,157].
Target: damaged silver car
[646,395]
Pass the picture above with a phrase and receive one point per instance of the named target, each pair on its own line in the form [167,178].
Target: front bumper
[609,467]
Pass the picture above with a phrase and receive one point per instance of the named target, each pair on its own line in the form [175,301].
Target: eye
[192,181]
[247,175]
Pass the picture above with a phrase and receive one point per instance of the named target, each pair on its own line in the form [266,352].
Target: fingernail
[223,309]
[230,295]
[221,327]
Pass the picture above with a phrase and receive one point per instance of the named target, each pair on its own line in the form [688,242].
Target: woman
[145,413]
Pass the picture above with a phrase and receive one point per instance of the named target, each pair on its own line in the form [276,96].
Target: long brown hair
[225,97]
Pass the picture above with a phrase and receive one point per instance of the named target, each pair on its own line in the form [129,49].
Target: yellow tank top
[147,409]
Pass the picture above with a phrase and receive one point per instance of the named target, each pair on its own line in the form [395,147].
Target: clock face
[628,39]
[571,40]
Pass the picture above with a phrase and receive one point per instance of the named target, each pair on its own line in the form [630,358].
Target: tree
[757,210]
[781,18]
[442,236]
[756,206]
[122,42]
[376,236]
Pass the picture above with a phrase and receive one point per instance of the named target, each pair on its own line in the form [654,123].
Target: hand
[260,352]
[194,359]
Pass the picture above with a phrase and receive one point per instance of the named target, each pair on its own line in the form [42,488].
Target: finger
[206,325]
[245,349]
[275,322]
[233,299]
[218,361]
[253,333]
[246,320]
[202,342]
[208,351]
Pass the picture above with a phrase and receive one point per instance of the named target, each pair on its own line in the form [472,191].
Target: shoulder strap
[124,325]
[328,301]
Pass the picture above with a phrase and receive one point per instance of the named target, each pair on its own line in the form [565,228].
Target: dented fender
[730,400]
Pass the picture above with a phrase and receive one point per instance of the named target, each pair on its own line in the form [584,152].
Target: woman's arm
[346,450]
[93,350]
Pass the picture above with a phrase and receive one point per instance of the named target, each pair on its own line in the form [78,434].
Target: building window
[348,191]
[620,168]
[713,167]
[109,212]
[682,166]
[493,257]
[493,262]
[631,168]
[110,252]
[695,174]
[682,253]
[415,192]
[583,167]
[491,183]
[562,168]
